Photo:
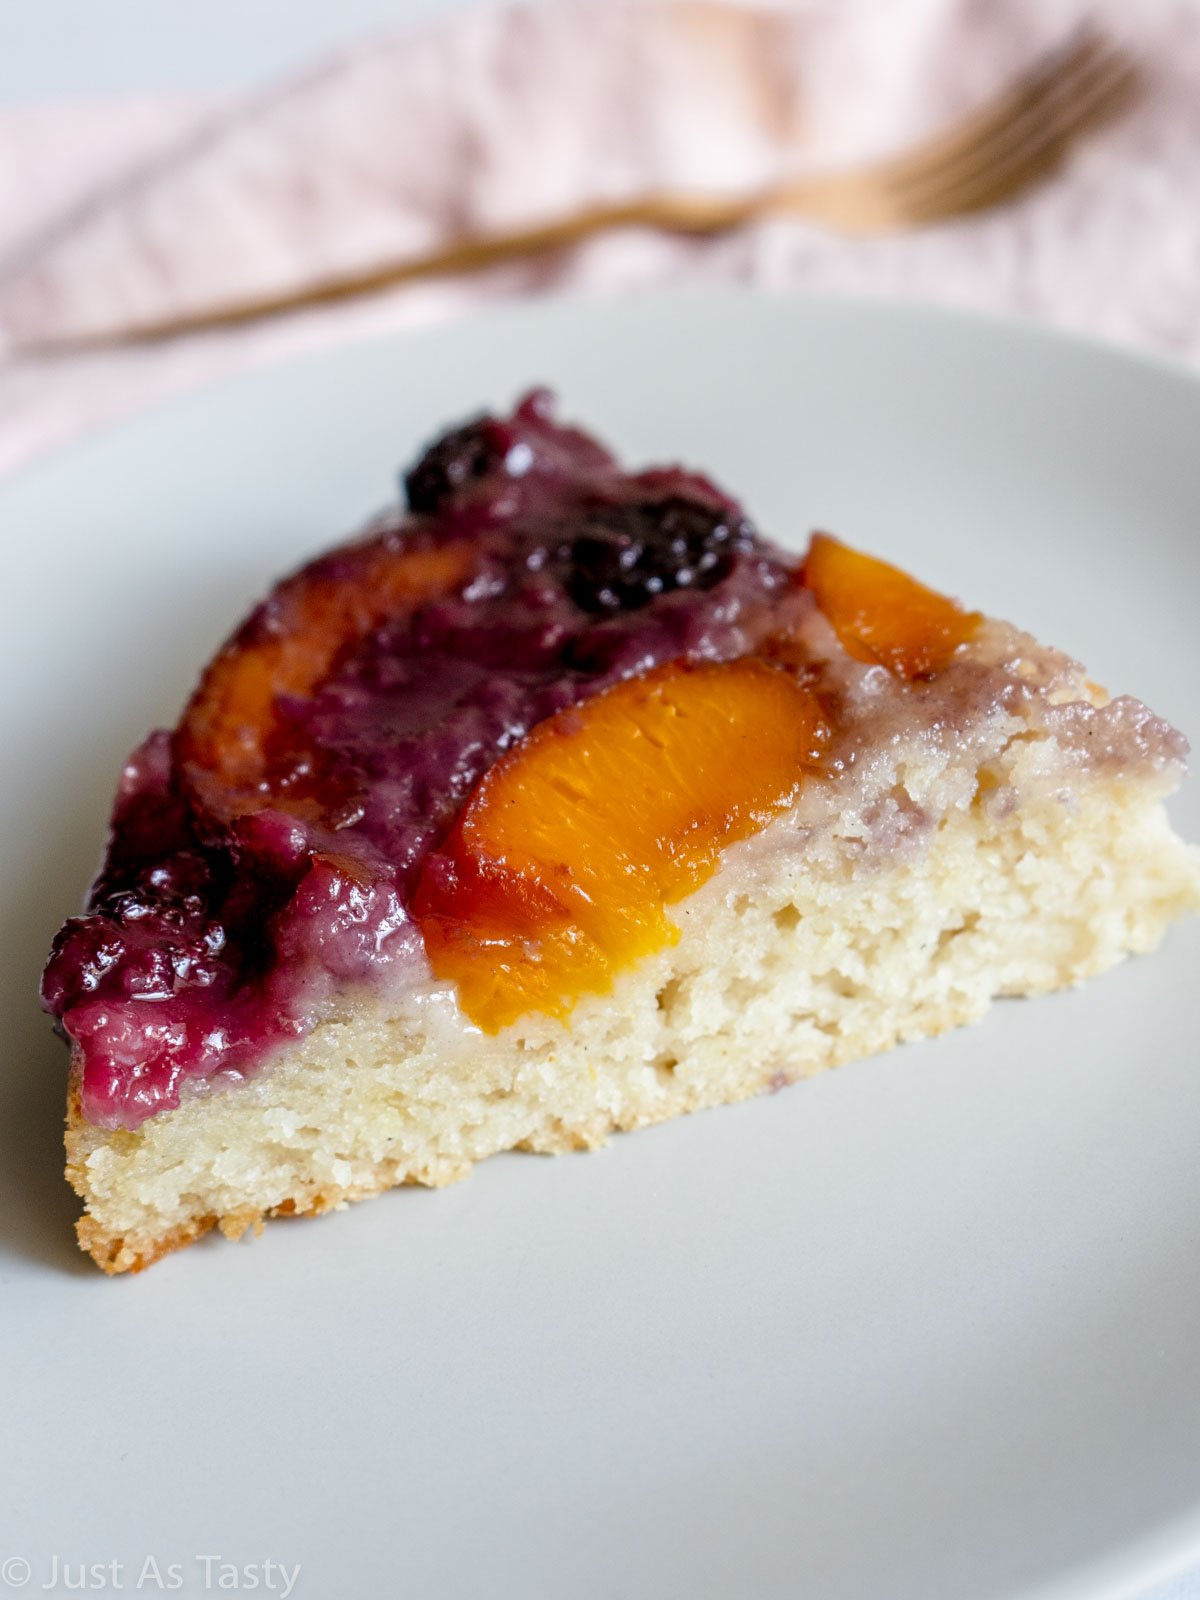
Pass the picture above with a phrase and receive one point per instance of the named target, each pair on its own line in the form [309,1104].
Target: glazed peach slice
[882,615]
[559,872]
[228,740]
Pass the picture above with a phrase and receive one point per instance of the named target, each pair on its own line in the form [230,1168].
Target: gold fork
[1013,141]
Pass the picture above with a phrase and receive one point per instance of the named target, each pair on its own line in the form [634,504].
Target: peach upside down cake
[559,802]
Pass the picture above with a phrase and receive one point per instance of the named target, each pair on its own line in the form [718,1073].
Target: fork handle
[692,214]
[849,201]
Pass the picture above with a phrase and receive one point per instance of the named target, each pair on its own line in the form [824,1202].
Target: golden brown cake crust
[113,1253]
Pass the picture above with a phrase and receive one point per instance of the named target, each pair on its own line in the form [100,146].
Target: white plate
[924,1328]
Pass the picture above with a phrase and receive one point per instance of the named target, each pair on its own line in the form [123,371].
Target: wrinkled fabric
[146,208]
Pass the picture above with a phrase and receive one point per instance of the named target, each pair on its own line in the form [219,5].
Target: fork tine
[1054,77]
[1031,148]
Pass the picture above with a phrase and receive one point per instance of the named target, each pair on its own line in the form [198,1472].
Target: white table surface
[57,49]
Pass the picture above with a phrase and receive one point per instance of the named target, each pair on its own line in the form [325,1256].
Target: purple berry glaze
[205,943]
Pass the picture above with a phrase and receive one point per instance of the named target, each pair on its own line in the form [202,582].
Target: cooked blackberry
[630,552]
[462,456]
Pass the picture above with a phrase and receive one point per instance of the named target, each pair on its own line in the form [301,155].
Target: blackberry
[627,554]
[458,458]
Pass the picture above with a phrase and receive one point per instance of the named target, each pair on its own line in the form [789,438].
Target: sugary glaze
[498,737]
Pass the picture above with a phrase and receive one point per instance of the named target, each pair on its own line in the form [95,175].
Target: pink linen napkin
[140,209]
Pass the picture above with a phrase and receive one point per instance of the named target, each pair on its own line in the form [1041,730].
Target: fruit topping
[559,872]
[458,458]
[232,747]
[882,615]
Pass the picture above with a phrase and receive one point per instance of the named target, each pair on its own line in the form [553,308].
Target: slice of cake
[563,802]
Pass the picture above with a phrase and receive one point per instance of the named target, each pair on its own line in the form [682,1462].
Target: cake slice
[562,802]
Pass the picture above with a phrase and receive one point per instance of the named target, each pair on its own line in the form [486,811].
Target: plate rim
[972,320]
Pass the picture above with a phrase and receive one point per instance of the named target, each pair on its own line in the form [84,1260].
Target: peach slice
[882,615]
[559,872]
[225,739]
